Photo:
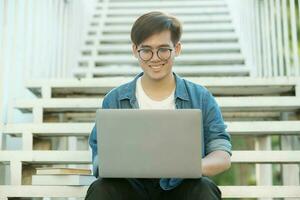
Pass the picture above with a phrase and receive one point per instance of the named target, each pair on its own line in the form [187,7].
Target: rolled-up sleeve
[93,144]
[215,135]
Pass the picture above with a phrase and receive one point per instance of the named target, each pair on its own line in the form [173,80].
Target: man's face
[162,50]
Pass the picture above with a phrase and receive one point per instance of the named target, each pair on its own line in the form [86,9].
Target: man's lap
[122,189]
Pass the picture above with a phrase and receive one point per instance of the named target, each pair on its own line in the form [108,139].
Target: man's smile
[156,66]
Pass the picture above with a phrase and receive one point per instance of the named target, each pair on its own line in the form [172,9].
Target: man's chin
[157,76]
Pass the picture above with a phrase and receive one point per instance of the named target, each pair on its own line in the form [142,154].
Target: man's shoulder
[195,87]
[119,91]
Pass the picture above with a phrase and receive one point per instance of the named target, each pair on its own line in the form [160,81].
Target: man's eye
[163,50]
[146,51]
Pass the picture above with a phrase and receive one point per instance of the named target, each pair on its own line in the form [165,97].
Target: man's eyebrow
[148,46]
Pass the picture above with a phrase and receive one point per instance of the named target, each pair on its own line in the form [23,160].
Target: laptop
[135,143]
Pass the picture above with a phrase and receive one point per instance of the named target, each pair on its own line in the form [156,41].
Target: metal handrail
[268,31]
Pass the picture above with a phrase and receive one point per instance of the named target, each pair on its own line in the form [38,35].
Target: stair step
[186,48]
[227,104]
[161,4]
[186,37]
[187,59]
[218,70]
[175,11]
[47,157]
[251,128]
[83,157]
[49,129]
[184,19]
[218,86]
[216,27]
[264,128]
[265,157]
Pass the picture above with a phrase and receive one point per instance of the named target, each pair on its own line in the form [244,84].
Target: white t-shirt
[146,102]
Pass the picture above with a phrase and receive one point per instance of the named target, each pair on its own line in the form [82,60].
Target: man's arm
[216,139]
[94,148]
[215,163]
[93,143]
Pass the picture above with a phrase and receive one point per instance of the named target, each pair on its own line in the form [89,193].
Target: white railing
[39,39]
[269,31]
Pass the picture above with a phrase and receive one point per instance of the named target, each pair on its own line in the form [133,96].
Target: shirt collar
[180,91]
[129,89]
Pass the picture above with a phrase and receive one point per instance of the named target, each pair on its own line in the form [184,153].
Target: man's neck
[158,89]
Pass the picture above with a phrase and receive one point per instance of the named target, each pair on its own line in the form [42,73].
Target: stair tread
[234,128]
[85,156]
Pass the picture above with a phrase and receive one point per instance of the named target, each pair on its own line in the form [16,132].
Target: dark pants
[121,189]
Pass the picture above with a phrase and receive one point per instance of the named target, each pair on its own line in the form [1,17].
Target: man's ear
[177,49]
[134,50]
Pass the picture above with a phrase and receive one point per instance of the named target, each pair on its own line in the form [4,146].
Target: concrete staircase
[210,44]
[63,110]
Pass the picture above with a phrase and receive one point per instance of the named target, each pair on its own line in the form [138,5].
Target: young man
[155,43]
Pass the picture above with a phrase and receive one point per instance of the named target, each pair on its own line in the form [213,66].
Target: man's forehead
[158,39]
[155,46]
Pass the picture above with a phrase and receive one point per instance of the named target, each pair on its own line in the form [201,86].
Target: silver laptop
[136,143]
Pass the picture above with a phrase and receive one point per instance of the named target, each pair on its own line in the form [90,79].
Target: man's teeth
[157,66]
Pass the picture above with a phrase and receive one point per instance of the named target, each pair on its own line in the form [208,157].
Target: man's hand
[215,163]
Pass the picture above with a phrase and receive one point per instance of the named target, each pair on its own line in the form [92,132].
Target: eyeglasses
[163,53]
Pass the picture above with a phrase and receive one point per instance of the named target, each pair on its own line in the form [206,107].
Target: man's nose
[155,56]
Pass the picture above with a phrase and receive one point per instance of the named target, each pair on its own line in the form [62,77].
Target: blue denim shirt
[187,95]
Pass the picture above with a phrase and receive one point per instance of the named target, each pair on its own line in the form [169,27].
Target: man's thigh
[112,189]
[195,189]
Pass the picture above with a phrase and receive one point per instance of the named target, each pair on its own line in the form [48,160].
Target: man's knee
[102,184]
[101,187]
[205,188]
